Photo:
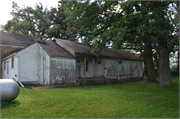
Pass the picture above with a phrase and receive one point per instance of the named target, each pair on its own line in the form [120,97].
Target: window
[86,66]
[99,62]
[4,65]
[12,62]
[7,67]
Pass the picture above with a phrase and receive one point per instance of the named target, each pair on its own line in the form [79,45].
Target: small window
[12,62]
[86,66]
[99,62]
[7,67]
[4,65]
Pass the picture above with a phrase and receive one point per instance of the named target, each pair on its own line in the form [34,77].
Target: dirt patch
[33,86]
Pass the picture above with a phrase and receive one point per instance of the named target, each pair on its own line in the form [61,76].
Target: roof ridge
[15,34]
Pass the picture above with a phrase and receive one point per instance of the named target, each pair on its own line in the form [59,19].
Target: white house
[66,62]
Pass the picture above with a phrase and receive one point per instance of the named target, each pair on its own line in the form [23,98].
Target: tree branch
[175,24]
[174,6]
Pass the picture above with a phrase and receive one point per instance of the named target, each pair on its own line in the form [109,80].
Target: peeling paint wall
[108,67]
[43,67]
[111,68]
[63,70]
[131,69]
[99,67]
[85,70]
[126,69]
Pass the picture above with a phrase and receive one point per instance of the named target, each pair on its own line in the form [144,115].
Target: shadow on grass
[153,82]
[11,104]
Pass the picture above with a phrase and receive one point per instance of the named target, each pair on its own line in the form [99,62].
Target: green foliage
[2,28]
[38,23]
[174,71]
[125,100]
[29,21]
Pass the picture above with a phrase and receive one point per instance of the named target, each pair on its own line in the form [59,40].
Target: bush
[174,71]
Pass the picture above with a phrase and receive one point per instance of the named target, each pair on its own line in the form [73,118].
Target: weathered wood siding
[126,69]
[43,67]
[108,68]
[63,70]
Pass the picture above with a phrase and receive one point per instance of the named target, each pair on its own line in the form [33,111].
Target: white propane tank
[9,90]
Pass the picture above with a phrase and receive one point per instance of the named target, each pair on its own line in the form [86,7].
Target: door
[78,71]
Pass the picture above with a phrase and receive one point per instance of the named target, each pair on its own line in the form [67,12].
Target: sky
[6,7]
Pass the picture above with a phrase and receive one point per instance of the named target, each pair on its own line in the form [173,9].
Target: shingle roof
[107,52]
[54,50]
[11,38]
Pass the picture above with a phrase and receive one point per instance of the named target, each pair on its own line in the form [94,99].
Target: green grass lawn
[125,100]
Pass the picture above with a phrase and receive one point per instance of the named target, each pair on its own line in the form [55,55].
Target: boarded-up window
[12,62]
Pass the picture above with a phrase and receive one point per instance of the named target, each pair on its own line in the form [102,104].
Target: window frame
[7,67]
[4,65]
[12,62]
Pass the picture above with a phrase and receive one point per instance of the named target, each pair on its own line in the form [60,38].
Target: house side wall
[31,65]
[99,67]
[28,64]
[131,69]
[12,71]
[108,68]
[111,68]
[126,69]
[91,69]
[63,70]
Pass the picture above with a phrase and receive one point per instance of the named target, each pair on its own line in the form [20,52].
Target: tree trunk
[178,59]
[156,64]
[145,69]
[164,69]
[149,60]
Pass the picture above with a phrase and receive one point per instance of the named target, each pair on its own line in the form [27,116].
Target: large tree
[29,21]
[127,24]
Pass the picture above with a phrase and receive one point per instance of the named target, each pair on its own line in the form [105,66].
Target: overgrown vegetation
[127,100]
[174,71]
